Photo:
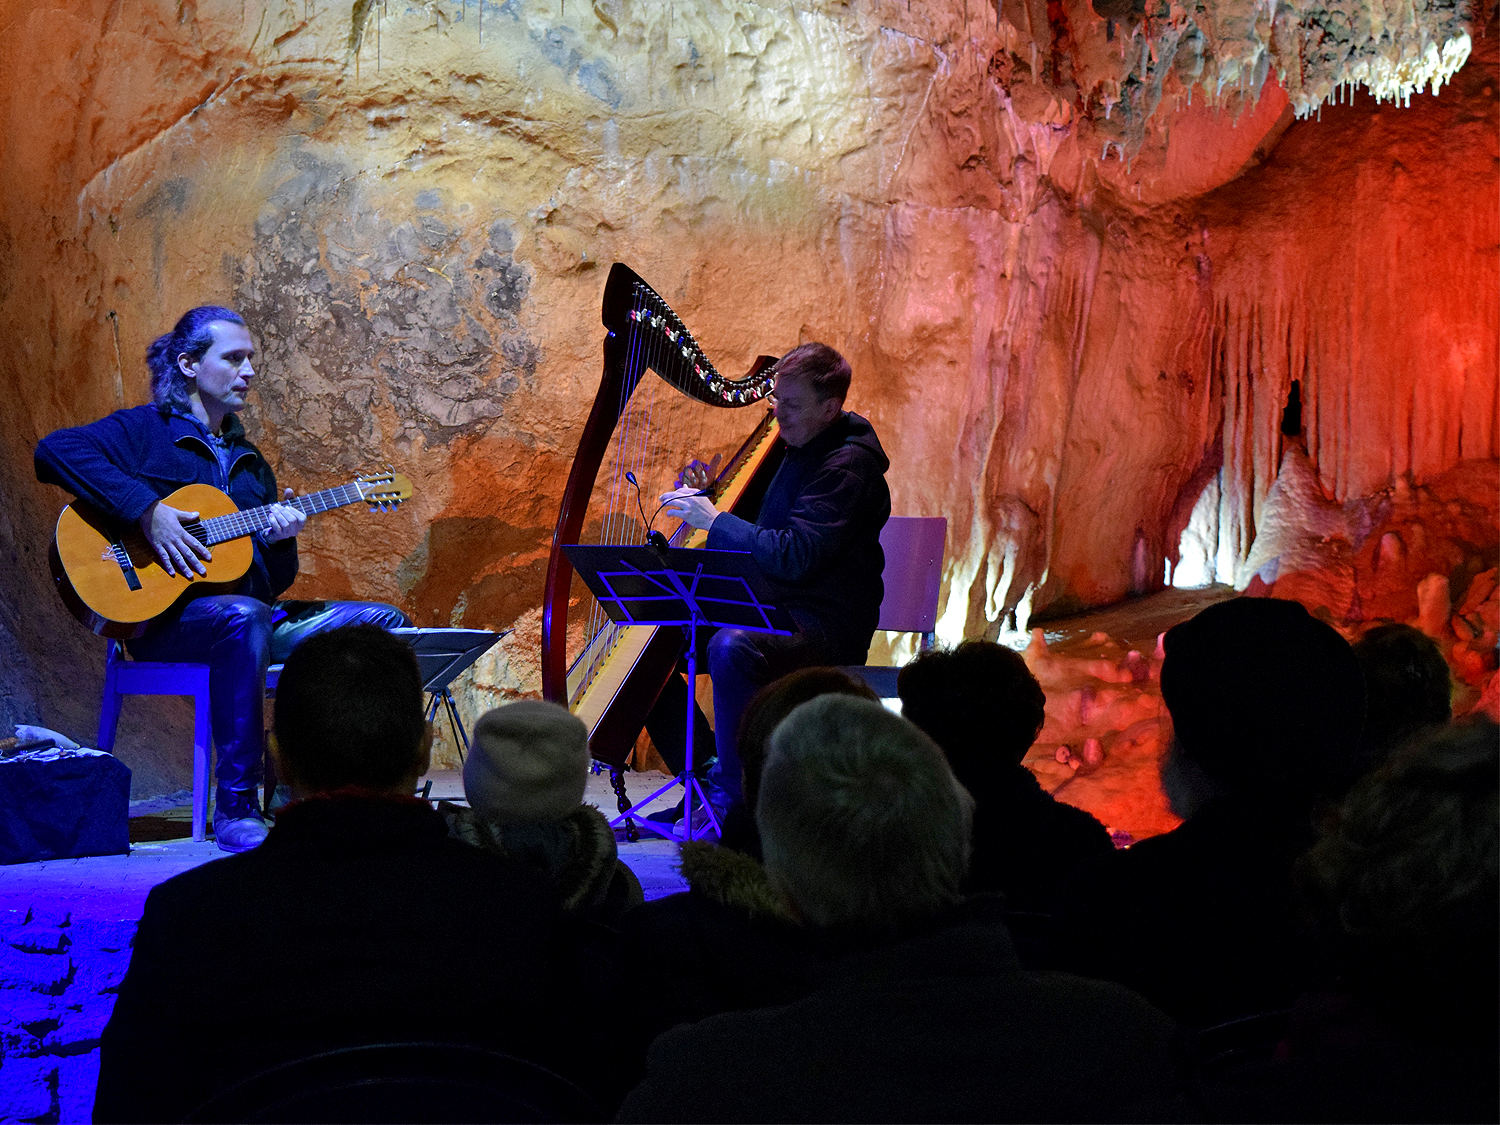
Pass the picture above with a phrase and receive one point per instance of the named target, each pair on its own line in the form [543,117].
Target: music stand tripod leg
[686,778]
[690,782]
[460,736]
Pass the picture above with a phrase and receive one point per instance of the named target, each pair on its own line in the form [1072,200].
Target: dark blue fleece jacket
[817,537]
[128,460]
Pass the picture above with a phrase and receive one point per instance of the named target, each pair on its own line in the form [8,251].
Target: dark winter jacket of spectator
[358,921]
[577,853]
[817,536]
[1203,921]
[937,1025]
[1343,1061]
[1026,844]
[726,943]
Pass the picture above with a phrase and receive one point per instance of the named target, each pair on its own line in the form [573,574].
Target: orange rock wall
[415,207]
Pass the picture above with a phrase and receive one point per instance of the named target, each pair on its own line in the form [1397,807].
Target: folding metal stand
[692,588]
[442,655]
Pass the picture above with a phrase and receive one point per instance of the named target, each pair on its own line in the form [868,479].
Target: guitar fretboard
[220,529]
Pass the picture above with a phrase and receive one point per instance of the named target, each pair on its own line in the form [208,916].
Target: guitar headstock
[383,491]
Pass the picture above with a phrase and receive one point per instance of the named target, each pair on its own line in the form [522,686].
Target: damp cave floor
[115,887]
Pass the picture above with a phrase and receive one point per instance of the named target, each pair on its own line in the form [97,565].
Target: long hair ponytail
[190,337]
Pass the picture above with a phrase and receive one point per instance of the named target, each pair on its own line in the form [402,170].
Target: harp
[606,674]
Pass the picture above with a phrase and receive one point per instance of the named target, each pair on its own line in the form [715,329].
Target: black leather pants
[238,638]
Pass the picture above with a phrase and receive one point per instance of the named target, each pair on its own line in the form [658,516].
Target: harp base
[622,801]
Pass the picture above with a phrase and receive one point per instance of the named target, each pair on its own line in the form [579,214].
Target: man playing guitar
[125,463]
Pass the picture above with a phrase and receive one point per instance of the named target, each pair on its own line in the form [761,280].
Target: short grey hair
[862,823]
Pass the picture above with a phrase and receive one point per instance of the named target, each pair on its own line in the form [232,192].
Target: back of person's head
[529,762]
[1266,700]
[190,336]
[349,711]
[822,368]
[1407,876]
[1408,686]
[862,823]
[979,702]
[775,702]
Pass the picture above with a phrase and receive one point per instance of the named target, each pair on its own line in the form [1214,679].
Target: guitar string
[648,348]
[246,521]
[600,632]
[643,361]
[598,619]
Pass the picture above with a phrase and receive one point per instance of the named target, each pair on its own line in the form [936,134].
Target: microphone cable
[654,537]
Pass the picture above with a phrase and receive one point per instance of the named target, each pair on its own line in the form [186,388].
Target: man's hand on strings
[699,474]
[177,549]
[286,521]
[691,508]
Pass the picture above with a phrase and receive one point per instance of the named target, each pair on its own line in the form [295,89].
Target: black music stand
[442,655]
[638,585]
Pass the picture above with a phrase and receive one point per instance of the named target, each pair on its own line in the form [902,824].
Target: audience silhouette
[362,920]
[729,941]
[1405,882]
[1408,687]
[1267,704]
[984,708]
[524,780]
[921,1011]
[841,955]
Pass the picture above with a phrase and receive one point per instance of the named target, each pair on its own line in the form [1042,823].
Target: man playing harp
[816,538]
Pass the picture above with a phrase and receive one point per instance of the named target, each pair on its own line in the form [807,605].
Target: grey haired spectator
[921,1011]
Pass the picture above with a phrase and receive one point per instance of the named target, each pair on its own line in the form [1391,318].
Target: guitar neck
[220,529]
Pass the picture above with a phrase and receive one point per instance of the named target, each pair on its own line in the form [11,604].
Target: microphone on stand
[654,538]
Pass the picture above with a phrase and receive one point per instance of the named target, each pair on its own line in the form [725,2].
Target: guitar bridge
[118,552]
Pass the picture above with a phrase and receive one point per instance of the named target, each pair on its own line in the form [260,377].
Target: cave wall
[415,206]
[1360,261]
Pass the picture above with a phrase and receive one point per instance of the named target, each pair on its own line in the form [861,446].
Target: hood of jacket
[577,851]
[848,429]
[731,878]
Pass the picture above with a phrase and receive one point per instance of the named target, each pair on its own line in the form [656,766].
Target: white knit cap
[529,762]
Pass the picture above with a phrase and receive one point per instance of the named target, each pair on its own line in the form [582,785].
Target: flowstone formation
[1079,352]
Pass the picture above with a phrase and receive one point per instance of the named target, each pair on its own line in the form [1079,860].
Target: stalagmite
[1434,606]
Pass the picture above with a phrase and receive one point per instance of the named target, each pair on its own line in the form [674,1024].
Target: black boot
[238,825]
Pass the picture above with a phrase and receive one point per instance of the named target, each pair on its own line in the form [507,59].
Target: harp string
[632,440]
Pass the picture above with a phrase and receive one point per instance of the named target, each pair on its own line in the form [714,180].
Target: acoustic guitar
[110,579]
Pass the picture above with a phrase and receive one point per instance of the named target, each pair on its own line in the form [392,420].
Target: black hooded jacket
[817,537]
